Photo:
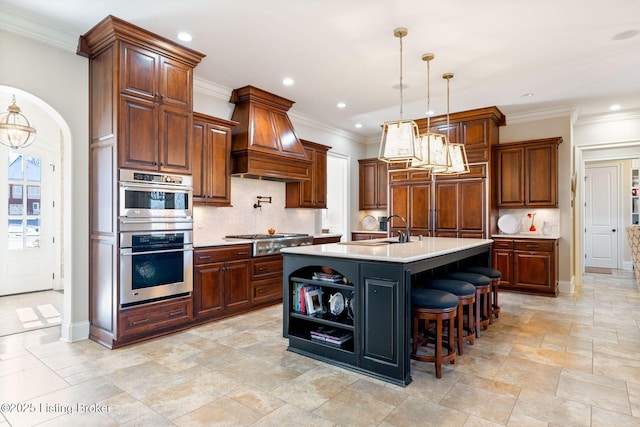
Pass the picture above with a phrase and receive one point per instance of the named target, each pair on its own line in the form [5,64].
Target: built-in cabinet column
[310,193]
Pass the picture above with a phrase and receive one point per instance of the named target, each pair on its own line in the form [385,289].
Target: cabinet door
[540,188]
[472,207]
[139,71]
[367,178]
[208,289]
[503,262]
[236,293]
[399,205]
[320,182]
[380,316]
[420,209]
[475,137]
[382,184]
[533,270]
[218,170]
[138,134]
[307,198]
[446,208]
[175,83]
[198,153]
[510,167]
[175,139]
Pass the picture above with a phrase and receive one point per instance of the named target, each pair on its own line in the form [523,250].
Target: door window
[23,204]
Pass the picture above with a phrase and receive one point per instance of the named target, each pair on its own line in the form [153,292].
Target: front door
[601,216]
[27,212]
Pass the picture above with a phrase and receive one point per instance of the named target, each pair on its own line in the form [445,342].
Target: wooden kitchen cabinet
[211,160]
[266,279]
[355,235]
[461,208]
[311,193]
[326,239]
[527,265]
[140,106]
[373,183]
[221,281]
[413,203]
[526,174]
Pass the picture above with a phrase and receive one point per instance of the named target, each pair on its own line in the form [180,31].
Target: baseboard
[567,287]
[71,332]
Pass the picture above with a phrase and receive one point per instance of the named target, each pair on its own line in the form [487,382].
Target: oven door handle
[159,187]
[129,252]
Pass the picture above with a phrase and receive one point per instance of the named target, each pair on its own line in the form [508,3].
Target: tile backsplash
[213,223]
[546,221]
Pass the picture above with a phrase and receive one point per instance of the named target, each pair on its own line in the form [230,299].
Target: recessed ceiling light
[625,35]
[526,95]
[358,125]
[341,105]
[614,107]
[185,37]
[287,81]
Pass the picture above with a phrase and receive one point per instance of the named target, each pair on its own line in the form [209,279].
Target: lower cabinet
[221,281]
[328,239]
[527,265]
[153,319]
[367,335]
[266,279]
[367,236]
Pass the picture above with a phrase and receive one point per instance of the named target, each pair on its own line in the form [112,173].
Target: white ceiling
[564,52]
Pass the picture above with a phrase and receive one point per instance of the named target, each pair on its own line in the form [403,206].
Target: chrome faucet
[402,237]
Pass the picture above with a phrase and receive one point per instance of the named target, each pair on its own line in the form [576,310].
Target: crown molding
[211,89]
[544,114]
[620,116]
[16,23]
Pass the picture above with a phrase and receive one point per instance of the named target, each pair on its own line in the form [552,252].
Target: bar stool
[431,305]
[466,294]
[495,277]
[483,291]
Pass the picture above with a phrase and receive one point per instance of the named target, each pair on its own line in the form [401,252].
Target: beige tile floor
[567,361]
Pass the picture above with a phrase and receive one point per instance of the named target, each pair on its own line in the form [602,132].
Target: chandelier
[456,152]
[15,130]
[400,139]
[434,146]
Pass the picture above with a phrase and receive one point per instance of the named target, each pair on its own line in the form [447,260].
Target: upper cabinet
[211,160]
[526,173]
[373,184]
[141,93]
[310,193]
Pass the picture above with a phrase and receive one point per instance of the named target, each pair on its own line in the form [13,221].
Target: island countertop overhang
[415,250]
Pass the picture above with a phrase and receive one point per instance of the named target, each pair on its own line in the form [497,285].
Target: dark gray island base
[371,335]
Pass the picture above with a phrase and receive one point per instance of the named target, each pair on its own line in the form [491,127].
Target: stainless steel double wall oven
[155,236]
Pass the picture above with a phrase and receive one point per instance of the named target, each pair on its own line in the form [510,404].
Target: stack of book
[331,336]
[327,277]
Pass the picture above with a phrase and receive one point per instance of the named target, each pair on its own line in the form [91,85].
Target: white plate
[508,224]
[369,222]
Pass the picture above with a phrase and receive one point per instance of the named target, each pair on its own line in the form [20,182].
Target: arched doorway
[32,215]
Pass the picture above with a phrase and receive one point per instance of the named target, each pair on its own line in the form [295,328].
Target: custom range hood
[264,144]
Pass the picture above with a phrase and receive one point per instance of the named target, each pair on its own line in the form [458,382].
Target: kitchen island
[349,303]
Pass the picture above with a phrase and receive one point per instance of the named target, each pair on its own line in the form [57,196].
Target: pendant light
[434,145]
[456,152]
[400,139]
[15,130]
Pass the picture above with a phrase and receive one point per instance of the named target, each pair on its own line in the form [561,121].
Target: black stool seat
[433,298]
[456,287]
[491,273]
[474,278]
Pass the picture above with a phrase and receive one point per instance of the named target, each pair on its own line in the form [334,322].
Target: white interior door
[27,212]
[601,216]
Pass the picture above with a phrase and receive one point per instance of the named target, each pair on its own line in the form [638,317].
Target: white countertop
[415,250]
[525,236]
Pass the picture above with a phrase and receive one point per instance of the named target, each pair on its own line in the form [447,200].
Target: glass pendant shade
[15,130]
[458,158]
[434,152]
[400,142]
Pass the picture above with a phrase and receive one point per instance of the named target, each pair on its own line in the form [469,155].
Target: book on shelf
[331,335]
[327,277]
[303,304]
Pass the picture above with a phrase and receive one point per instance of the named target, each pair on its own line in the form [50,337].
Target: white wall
[60,79]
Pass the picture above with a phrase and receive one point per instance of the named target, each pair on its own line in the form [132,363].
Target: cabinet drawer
[154,317]
[535,245]
[266,290]
[266,267]
[502,244]
[221,253]
[475,171]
